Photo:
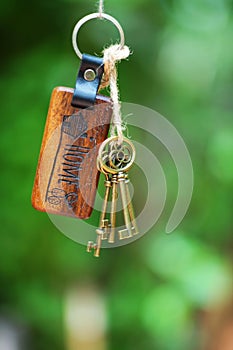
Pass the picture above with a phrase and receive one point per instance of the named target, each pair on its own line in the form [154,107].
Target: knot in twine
[112,55]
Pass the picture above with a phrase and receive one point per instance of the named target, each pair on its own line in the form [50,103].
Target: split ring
[88,18]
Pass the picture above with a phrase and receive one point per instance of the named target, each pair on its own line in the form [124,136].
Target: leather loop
[85,90]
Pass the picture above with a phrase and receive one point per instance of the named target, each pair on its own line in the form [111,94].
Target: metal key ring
[105,167]
[88,18]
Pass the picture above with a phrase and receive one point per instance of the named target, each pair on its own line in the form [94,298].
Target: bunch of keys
[115,160]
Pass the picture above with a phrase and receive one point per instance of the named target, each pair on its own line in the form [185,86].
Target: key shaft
[104,223]
[113,209]
[122,185]
[130,208]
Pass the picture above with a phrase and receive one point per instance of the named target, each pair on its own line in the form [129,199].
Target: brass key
[104,225]
[130,207]
[126,233]
[113,209]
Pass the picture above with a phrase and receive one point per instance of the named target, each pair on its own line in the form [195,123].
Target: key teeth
[103,232]
[122,234]
[106,226]
[93,246]
[126,234]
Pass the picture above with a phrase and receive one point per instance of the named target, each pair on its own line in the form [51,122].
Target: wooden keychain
[77,122]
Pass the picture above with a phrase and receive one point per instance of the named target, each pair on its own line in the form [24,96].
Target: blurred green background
[163,292]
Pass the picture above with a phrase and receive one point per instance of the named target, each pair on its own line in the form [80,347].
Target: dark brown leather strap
[88,81]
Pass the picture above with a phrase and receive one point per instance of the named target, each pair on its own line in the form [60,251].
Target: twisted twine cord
[101,7]
[112,55]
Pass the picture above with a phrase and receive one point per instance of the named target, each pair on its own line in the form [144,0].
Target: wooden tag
[67,176]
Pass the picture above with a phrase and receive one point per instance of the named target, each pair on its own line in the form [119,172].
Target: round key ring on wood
[88,18]
[114,158]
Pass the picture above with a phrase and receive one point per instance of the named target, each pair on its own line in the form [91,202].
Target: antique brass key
[114,161]
[104,226]
[113,209]
[104,222]
[127,232]
[130,207]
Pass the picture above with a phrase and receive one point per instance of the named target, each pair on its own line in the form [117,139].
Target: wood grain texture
[67,177]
